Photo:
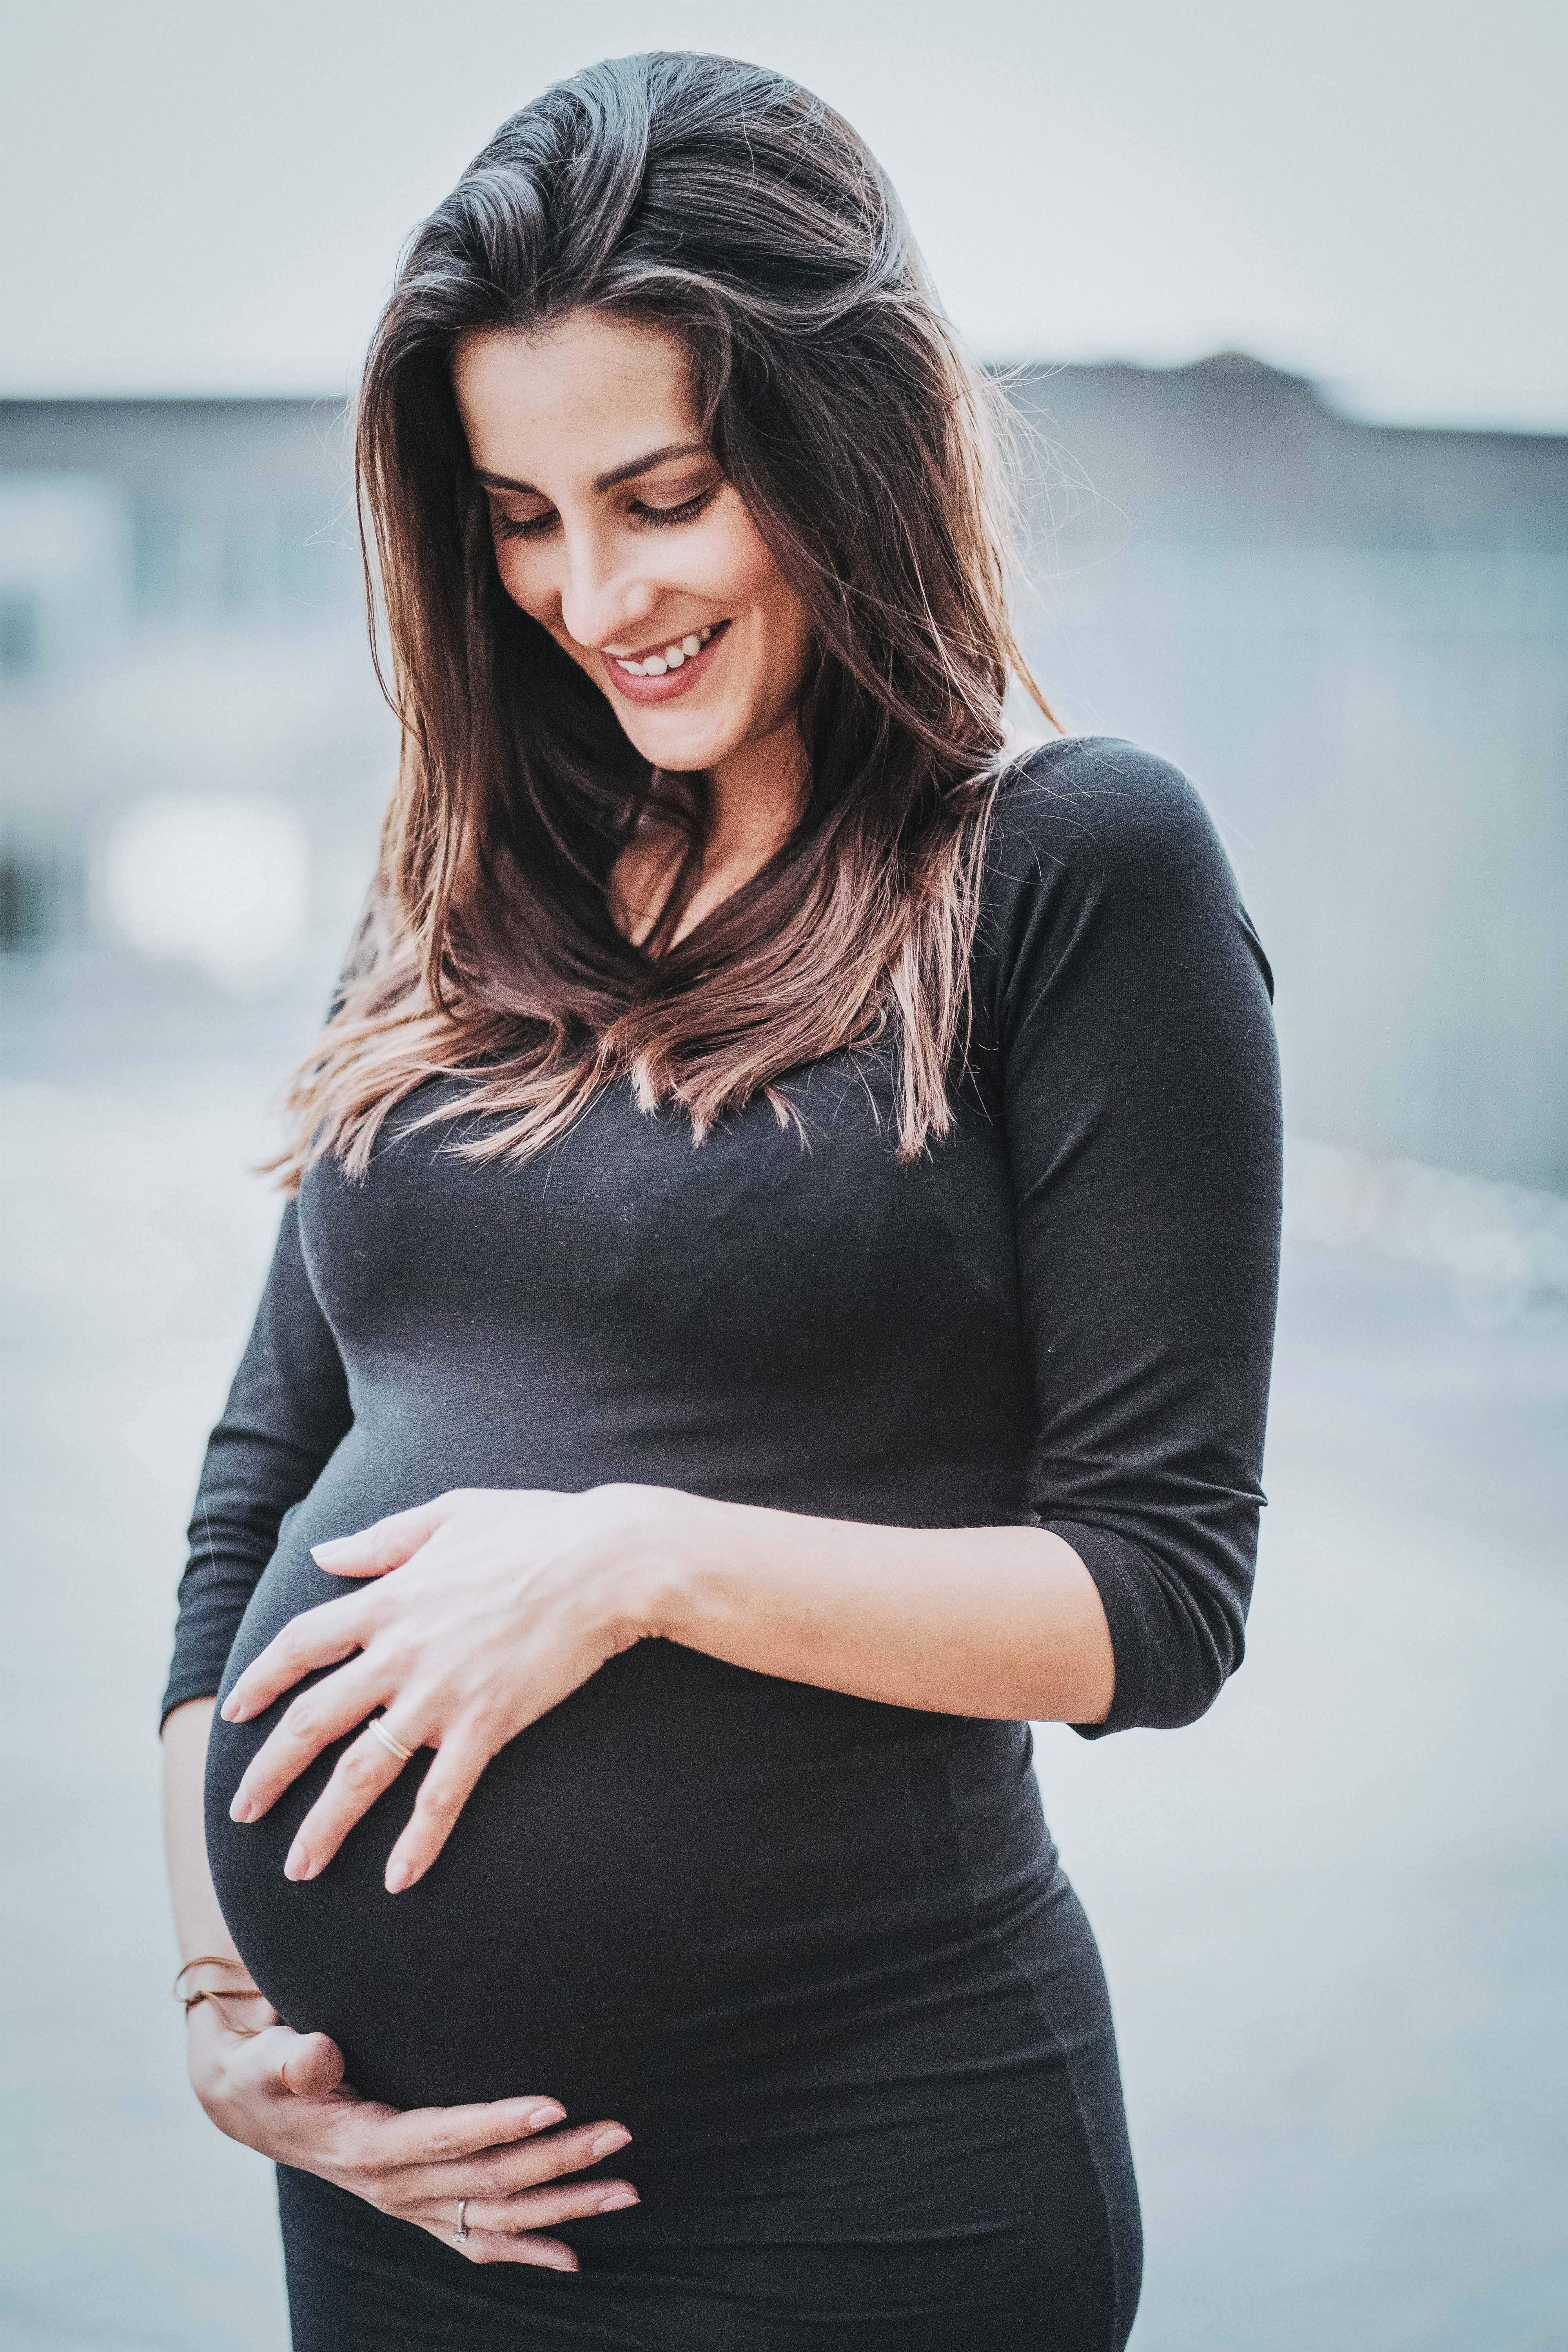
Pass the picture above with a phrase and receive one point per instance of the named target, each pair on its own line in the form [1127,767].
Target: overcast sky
[210,198]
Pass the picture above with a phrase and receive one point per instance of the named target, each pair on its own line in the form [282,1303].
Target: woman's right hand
[282,2094]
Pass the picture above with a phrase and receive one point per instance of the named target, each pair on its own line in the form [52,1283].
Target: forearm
[998,1621]
[198,1922]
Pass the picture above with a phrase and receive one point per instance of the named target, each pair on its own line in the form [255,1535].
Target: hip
[1063,2282]
[933,2177]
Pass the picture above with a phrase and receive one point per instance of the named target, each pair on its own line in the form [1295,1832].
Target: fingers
[436,2136]
[507,2228]
[387,1544]
[318,1637]
[495,2246]
[309,2065]
[445,1790]
[316,1717]
[546,2208]
[361,1774]
[501,2174]
[313,2068]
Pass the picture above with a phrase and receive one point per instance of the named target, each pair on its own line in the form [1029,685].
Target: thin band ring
[461,2232]
[392,1747]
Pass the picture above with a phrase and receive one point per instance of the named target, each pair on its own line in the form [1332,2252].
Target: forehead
[573,400]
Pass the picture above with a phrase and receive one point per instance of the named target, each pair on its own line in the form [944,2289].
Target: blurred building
[1354,638]
[195,749]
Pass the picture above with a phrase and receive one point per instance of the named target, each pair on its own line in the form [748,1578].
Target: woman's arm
[282,2092]
[1002,1621]
[505,1602]
[1122,1025]
[274,2090]
[199,1924]
[287,1411]
[1124,1018]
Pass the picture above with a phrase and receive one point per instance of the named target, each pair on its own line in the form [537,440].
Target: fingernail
[558,2262]
[240,1809]
[539,2118]
[398,1876]
[230,1709]
[298,1864]
[613,2203]
[608,2141]
[325,1551]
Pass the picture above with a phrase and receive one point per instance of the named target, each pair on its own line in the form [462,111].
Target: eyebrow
[609,482]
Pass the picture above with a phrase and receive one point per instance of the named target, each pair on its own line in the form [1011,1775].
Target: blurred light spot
[1504,1246]
[215,880]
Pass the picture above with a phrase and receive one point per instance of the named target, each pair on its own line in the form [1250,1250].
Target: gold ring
[392,1747]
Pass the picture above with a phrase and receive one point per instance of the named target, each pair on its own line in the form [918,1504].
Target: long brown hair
[723,203]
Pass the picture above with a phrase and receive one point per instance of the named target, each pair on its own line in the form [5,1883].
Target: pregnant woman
[777,1293]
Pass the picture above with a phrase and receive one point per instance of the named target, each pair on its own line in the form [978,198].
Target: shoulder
[1100,849]
[1097,809]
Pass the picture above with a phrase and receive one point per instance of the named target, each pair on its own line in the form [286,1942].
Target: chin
[685,749]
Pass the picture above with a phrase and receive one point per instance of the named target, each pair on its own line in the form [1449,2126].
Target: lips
[645,689]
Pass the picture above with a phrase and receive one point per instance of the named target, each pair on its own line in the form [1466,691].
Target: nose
[603,596]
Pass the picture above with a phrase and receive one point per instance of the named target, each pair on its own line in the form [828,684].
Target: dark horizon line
[1320,389]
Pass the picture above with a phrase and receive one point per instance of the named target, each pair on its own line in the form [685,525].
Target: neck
[754,798]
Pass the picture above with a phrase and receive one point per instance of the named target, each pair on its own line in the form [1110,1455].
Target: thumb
[313,2067]
[387,1544]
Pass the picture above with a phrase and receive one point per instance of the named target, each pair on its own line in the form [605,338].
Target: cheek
[753,581]
[787,639]
[527,582]
[727,561]
[751,575]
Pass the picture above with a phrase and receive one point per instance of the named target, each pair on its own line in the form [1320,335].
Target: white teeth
[672,656]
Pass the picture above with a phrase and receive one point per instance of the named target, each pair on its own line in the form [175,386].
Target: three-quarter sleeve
[286,1413]
[1129,1018]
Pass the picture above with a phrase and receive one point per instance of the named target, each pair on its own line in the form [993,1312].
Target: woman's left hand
[489,1608]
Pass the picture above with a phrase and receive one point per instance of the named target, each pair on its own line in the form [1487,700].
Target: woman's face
[616,531]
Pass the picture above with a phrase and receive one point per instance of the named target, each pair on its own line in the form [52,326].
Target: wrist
[217,1984]
[669,1541]
[211,2046]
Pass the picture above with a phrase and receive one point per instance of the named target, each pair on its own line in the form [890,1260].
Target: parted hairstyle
[726,206]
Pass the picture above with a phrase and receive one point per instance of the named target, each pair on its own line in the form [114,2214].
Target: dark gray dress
[817,1953]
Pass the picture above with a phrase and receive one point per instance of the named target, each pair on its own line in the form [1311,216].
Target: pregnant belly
[673,1875]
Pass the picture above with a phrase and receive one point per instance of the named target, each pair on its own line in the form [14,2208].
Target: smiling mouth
[665,670]
[673,655]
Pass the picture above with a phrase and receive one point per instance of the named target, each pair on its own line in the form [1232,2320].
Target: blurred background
[1278,298]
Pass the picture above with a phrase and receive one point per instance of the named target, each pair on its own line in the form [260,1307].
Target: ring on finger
[462,2233]
[392,1747]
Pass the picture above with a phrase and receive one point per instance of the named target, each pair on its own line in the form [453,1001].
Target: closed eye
[661,518]
[649,517]
[533,526]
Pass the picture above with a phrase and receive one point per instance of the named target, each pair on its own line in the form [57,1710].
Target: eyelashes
[651,518]
[661,518]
